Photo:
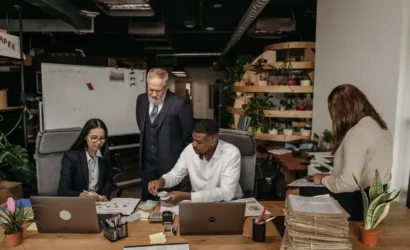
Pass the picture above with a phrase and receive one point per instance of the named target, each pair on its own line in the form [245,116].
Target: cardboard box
[10,189]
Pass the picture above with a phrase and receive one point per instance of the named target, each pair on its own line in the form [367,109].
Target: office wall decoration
[69,103]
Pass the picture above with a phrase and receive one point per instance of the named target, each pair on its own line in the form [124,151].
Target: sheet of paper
[253,207]
[32,227]
[280,151]
[303,183]
[126,206]
[183,246]
[323,204]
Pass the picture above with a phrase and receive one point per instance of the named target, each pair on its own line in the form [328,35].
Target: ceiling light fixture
[209,28]
[217,6]
[178,70]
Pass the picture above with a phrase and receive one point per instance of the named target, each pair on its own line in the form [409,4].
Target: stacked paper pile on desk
[315,223]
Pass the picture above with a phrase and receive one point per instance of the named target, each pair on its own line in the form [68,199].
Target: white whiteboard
[68,101]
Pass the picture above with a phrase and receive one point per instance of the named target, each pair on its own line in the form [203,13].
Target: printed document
[126,206]
[323,204]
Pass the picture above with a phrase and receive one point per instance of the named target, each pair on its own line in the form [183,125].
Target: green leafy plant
[13,216]
[228,96]
[327,136]
[254,109]
[19,166]
[376,205]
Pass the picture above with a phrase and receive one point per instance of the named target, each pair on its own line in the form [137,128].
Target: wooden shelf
[34,111]
[288,113]
[276,65]
[280,137]
[31,140]
[11,109]
[274,89]
[278,113]
[290,45]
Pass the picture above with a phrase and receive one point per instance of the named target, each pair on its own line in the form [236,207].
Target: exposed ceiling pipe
[253,11]
[66,11]
[38,25]
[189,54]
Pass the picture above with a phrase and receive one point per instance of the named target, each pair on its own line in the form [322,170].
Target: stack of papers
[158,238]
[315,223]
[280,151]
[126,206]
[253,207]
[303,183]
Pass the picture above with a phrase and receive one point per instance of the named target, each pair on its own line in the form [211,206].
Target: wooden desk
[393,235]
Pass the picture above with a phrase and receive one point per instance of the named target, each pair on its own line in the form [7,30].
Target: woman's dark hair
[81,143]
[347,105]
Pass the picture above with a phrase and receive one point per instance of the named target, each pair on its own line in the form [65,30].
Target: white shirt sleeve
[229,182]
[354,151]
[177,173]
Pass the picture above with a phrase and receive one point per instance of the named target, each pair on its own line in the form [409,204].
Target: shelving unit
[299,58]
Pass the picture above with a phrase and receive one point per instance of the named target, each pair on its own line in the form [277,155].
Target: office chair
[50,147]
[243,123]
[245,142]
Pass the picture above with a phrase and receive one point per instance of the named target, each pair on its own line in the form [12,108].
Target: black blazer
[175,126]
[74,174]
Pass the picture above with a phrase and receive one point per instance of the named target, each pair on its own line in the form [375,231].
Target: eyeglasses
[95,139]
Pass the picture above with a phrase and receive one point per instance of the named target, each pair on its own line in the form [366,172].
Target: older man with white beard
[166,122]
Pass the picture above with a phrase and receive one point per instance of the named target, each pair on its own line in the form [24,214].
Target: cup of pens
[258,230]
[115,228]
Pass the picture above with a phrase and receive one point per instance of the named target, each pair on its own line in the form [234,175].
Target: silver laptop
[211,218]
[65,214]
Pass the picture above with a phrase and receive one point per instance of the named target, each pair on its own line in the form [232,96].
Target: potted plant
[12,218]
[259,68]
[376,206]
[254,109]
[328,139]
[18,165]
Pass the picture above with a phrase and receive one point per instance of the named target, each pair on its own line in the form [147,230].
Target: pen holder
[258,231]
[116,233]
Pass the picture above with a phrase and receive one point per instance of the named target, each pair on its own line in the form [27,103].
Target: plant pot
[328,146]
[251,129]
[13,240]
[259,130]
[300,107]
[369,238]
[273,131]
[290,82]
[275,82]
[287,131]
[262,83]
[304,82]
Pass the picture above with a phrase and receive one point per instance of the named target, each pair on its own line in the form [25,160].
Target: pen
[261,216]
[271,218]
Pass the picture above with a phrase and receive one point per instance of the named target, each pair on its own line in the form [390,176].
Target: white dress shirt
[93,171]
[213,180]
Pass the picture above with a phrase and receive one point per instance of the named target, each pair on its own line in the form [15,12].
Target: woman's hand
[317,178]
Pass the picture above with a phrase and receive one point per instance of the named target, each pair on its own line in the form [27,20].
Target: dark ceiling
[111,36]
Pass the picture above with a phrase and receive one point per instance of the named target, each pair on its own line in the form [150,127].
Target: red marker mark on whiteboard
[90,86]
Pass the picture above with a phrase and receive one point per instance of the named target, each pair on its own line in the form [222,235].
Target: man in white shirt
[214,168]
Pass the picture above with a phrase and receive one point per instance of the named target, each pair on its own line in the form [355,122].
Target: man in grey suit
[166,122]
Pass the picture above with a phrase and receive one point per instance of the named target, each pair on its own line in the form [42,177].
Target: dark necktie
[154,113]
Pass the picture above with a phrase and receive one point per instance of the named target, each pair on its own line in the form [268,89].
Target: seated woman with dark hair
[86,168]
[362,145]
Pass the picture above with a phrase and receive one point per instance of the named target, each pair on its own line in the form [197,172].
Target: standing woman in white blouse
[87,165]
[362,144]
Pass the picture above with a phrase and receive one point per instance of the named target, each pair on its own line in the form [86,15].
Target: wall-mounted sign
[9,46]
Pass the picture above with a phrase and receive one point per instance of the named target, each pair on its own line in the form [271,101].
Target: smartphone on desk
[279,223]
